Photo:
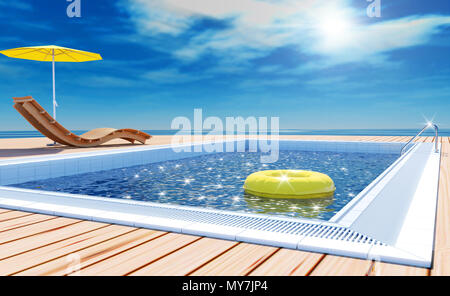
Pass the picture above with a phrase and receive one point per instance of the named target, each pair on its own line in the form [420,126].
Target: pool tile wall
[35,168]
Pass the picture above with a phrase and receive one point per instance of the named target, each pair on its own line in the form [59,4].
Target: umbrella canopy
[51,53]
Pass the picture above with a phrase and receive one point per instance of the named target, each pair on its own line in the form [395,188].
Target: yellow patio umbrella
[51,53]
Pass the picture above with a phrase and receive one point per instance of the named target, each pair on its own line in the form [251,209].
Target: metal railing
[436,140]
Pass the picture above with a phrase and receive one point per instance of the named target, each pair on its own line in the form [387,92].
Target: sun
[334,26]
[335,31]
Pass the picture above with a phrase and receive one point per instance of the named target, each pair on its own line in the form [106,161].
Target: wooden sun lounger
[49,127]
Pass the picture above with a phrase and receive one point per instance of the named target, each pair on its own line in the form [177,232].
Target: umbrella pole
[53,72]
[54,98]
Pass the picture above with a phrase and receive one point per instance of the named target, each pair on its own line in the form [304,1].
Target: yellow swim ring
[289,184]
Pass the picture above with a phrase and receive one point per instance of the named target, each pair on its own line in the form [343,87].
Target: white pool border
[139,214]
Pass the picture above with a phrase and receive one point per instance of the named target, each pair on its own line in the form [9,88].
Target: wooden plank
[359,138]
[343,266]
[12,215]
[144,254]
[34,229]
[391,139]
[288,262]
[240,260]
[409,138]
[442,240]
[386,269]
[441,263]
[441,259]
[420,139]
[188,259]
[375,139]
[23,221]
[362,138]
[350,138]
[45,238]
[399,139]
[104,251]
[388,138]
[60,249]
[347,138]
[396,139]
[4,211]
[403,139]
[378,139]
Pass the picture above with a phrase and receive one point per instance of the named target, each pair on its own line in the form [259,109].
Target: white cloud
[259,84]
[370,43]
[175,16]
[8,70]
[171,76]
[320,82]
[315,27]
[16,4]
[106,81]
[158,77]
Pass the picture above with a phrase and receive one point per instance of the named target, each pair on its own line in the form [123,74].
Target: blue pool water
[216,180]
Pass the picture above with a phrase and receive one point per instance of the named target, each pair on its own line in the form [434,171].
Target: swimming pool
[390,218]
[215,181]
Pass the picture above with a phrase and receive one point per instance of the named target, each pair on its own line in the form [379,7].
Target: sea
[331,132]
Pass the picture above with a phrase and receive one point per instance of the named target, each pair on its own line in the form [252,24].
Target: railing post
[436,138]
[436,143]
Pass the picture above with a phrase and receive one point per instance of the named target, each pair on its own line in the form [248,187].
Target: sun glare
[335,30]
[334,26]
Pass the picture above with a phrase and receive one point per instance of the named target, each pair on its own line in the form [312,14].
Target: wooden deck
[34,244]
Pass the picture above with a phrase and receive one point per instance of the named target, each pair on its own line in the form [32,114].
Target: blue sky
[316,64]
